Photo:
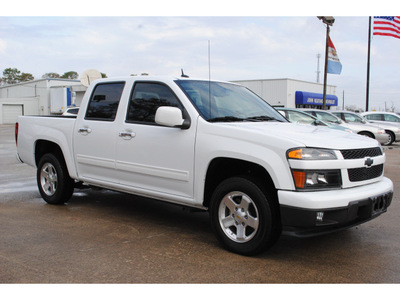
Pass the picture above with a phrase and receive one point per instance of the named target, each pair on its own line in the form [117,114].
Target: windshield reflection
[225,102]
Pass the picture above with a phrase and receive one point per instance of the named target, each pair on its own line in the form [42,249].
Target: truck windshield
[225,102]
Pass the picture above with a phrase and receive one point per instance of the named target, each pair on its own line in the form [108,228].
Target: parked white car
[72,111]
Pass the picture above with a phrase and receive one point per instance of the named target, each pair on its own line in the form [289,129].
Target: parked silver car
[382,116]
[327,118]
[387,120]
[361,126]
[300,117]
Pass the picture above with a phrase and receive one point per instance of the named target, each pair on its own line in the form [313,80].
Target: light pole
[328,20]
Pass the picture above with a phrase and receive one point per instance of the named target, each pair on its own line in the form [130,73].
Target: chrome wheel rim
[238,217]
[48,179]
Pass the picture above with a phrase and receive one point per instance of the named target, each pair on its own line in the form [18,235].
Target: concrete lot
[108,237]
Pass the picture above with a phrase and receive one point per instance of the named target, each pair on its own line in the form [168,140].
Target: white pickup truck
[213,146]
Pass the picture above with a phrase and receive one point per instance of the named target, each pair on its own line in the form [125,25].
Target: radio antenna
[209,60]
[209,76]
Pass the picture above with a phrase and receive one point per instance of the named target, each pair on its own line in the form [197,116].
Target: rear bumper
[318,219]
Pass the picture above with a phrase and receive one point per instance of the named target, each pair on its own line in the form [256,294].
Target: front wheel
[54,183]
[391,138]
[244,218]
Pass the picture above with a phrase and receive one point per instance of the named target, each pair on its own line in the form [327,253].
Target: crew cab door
[96,134]
[154,159]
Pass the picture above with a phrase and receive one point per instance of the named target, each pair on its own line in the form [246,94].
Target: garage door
[11,112]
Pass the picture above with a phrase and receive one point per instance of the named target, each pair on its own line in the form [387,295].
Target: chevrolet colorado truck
[209,145]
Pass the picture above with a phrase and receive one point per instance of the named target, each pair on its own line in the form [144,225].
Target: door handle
[127,135]
[84,131]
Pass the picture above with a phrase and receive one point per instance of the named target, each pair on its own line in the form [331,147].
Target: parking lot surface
[101,236]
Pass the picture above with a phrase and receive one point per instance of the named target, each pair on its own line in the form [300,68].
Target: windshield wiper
[262,118]
[226,119]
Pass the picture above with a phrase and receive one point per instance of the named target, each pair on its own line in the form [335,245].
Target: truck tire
[244,218]
[54,183]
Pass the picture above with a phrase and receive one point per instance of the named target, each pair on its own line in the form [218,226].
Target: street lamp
[328,20]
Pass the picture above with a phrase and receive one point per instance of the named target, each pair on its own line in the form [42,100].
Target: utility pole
[343,100]
[318,71]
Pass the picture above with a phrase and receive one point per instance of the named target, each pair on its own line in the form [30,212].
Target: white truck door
[152,158]
[96,134]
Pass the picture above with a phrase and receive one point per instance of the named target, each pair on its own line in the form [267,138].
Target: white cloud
[3,46]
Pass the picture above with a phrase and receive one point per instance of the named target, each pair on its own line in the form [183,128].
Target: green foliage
[13,75]
[51,75]
[70,75]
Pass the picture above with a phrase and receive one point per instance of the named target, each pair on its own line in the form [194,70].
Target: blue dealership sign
[315,99]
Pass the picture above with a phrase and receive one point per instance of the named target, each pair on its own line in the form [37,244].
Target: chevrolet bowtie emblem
[368,162]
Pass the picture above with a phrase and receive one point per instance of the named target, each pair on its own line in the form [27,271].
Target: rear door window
[103,104]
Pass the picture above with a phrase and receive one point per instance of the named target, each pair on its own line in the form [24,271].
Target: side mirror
[171,116]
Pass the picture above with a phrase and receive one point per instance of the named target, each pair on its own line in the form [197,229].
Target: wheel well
[390,132]
[367,133]
[42,147]
[223,168]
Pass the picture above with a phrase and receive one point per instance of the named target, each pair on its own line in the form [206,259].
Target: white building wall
[29,106]
[282,92]
[34,93]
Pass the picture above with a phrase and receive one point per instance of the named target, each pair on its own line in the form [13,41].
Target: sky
[238,41]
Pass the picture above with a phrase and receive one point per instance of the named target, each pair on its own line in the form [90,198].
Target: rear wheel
[244,217]
[54,183]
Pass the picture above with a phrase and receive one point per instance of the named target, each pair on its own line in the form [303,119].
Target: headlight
[311,154]
[316,179]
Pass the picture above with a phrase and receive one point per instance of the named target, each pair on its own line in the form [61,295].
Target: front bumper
[349,210]
[382,137]
[397,136]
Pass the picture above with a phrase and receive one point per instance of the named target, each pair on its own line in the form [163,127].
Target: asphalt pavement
[101,236]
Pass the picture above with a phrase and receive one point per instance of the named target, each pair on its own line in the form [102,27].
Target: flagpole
[326,67]
[328,20]
[368,64]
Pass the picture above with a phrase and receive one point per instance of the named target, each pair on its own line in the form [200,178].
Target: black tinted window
[104,102]
[145,100]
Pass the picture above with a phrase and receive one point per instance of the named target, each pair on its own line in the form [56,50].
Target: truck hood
[307,135]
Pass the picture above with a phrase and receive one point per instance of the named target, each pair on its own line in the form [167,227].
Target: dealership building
[54,96]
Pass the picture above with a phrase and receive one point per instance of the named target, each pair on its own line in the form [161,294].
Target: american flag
[387,26]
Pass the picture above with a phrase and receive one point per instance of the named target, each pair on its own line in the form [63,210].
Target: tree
[13,75]
[26,77]
[51,75]
[70,75]
[10,75]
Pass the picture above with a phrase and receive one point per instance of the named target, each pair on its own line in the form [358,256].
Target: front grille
[361,153]
[360,174]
